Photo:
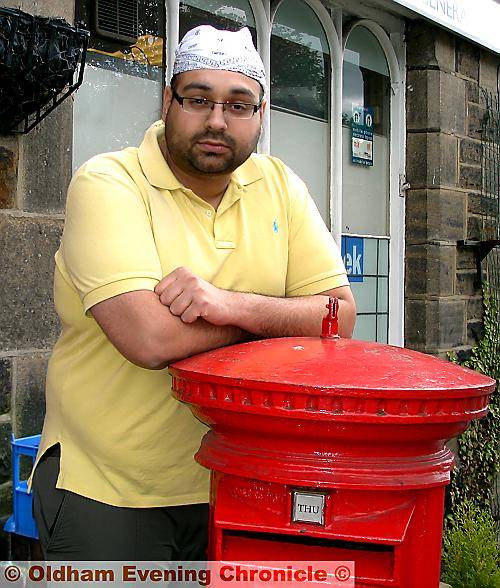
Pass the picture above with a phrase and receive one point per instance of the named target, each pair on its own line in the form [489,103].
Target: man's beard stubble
[183,152]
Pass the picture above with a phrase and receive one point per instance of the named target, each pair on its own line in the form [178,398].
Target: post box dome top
[343,401]
[341,365]
[341,380]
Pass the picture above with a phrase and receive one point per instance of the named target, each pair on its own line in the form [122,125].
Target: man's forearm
[149,335]
[266,316]
[179,340]
[190,297]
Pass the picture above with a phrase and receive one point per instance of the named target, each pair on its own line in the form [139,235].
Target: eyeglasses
[239,110]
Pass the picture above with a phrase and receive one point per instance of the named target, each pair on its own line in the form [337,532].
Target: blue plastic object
[22,521]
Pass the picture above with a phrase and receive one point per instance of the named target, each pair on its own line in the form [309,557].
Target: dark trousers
[72,527]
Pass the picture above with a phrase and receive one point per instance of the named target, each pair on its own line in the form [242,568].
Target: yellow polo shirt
[125,440]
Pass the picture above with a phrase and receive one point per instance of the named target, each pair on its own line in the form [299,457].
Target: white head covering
[205,47]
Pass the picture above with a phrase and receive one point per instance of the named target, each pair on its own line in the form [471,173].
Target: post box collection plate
[308,507]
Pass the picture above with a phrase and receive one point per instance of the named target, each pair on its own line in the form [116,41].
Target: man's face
[212,143]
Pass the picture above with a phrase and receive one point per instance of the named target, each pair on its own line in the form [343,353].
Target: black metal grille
[490,201]
[117,19]
[38,59]
[490,164]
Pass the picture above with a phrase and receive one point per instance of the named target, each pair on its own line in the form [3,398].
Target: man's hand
[189,297]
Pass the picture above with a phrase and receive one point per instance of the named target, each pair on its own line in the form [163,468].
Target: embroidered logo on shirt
[275,226]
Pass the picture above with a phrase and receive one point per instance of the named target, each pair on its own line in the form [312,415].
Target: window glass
[366,85]
[123,82]
[300,97]
[366,189]
[231,16]
[367,263]
[366,79]
[300,73]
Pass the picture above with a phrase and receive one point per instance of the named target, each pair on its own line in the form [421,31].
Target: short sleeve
[108,246]
[314,261]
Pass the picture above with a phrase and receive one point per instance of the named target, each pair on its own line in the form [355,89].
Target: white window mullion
[262,13]
[172,8]
[336,139]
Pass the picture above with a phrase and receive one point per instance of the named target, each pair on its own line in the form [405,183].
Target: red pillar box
[330,449]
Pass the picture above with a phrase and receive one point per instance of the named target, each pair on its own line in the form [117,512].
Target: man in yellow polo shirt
[188,243]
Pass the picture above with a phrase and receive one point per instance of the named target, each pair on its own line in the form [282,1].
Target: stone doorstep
[443,585]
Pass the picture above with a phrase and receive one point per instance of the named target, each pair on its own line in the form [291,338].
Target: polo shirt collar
[153,163]
[160,175]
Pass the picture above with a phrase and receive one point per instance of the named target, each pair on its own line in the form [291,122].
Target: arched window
[300,97]
[231,15]
[366,100]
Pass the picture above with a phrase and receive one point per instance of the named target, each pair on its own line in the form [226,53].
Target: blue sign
[362,135]
[353,254]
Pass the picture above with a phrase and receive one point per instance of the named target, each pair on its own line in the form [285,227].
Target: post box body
[386,533]
[330,450]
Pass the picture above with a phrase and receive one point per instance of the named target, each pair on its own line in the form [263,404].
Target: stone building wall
[34,173]
[443,302]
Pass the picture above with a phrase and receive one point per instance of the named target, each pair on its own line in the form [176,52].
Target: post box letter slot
[374,561]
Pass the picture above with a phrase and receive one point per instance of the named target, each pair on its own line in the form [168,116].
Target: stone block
[28,319]
[449,92]
[488,69]
[475,308]
[435,324]
[435,101]
[475,114]
[430,269]
[5,452]
[417,115]
[5,384]
[467,59]
[474,227]
[45,162]
[435,215]
[466,258]
[6,499]
[29,396]
[467,283]
[8,175]
[470,151]
[482,204]
[62,8]
[429,47]
[489,229]
[472,91]
[470,177]
[416,159]
[431,160]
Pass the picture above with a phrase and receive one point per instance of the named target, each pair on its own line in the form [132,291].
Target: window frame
[396,63]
